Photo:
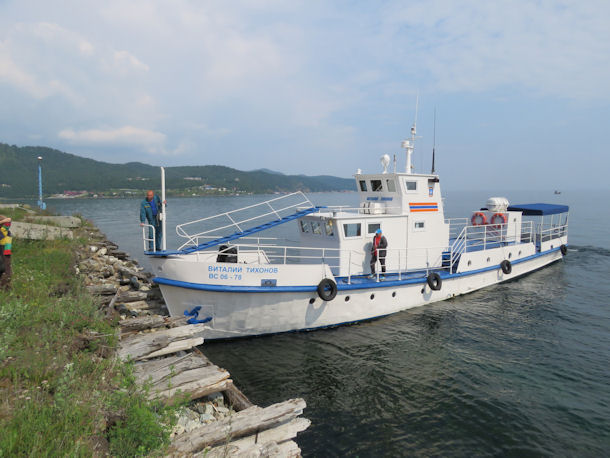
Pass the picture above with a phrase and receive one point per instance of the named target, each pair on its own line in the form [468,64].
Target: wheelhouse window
[372,228]
[419,226]
[317,228]
[330,230]
[363,185]
[411,185]
[390,185]
[376,185]
[305,226]
[352,229]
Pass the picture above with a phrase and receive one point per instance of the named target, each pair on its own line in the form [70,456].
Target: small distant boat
[557,192]
[244,284]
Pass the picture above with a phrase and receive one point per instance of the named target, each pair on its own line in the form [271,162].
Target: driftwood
[189,374]
[150,322]
[268,449]
[132,296]
[236,398]
[269,440]
[102,290]
[245,423]
[159,343]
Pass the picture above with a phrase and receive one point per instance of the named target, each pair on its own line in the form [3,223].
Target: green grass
[61,390]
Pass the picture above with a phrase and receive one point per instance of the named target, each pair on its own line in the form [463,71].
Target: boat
[230,274]
[557,192]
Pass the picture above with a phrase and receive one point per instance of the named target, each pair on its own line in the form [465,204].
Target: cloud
[124,58]
[126,135]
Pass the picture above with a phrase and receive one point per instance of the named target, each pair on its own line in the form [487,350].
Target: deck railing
[235,219]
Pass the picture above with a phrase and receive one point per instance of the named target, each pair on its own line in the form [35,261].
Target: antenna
[433,140]
[395,163]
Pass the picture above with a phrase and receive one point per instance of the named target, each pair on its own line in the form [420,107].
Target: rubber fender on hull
[506,266]
[327,289]
[435,282]
[564,250]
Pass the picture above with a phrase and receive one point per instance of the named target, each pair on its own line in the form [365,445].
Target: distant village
[194,191]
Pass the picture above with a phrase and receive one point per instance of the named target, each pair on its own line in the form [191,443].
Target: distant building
[193,178]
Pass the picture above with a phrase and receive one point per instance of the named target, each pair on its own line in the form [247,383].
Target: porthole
[469,263]
[372,296]
[510,255]
[551,247]
[394,294]
[346,298]
[519,252]
[488,259]
[312,300]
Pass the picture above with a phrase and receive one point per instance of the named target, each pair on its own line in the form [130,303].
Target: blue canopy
[539,209]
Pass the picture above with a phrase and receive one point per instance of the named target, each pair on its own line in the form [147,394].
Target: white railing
[147,239]
[235,219]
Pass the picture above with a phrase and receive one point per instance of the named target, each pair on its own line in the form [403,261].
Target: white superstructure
[243,283]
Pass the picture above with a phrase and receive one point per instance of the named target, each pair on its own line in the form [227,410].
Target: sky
[521,89]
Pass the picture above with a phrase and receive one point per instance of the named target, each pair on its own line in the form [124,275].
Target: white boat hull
[249,313]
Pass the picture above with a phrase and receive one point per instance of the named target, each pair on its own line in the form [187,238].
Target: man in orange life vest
[378,251]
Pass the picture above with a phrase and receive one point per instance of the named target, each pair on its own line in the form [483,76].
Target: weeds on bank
[61,391]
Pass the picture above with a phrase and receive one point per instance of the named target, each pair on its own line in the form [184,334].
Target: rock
[61,221]
[33,231]
[134,283]
[144,288]
[222,410]
[102,251]
[93,248]
[206,417]
[216,398]
[178,429]
[193,424]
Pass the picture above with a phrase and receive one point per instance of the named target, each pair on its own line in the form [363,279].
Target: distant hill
[63,171]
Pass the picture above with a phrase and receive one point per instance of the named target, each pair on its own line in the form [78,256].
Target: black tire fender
[564,250]
[435,282]
[506,266]
[327,289]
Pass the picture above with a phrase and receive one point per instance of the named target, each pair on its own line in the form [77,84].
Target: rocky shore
[219,420]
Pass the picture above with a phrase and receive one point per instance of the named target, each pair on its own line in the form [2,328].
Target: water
[520,369]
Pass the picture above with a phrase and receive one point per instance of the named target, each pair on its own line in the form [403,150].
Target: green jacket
[146,213]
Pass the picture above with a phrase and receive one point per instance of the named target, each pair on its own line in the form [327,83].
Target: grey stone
[206,417]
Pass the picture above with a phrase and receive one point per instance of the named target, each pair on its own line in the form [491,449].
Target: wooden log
[240,424]
[150,345]
[188,374]
[150,322]
[161,370]
[132,296]
[102,290]
[236,398]
[274,436]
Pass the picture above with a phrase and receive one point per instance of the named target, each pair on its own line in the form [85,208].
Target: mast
[409,145]
[433,140]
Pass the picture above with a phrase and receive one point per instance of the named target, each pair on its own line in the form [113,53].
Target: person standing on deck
[150,212]
[378,250]
[6,251]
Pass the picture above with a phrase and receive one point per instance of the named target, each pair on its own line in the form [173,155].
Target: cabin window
[363,185]
[328,226]
[390,185]
[305,227]
[352,229]
[376,185]
[411,185]
[317,228]
[372,228]
[419,226]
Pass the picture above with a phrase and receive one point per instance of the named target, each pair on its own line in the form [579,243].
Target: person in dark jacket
[378,251]
[150,213]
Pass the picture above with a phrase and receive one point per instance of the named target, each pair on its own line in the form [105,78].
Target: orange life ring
[502,216]
[474,219]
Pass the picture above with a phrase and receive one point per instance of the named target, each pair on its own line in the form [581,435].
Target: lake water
[519,369]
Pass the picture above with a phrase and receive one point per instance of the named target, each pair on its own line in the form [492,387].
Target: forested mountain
[63,171]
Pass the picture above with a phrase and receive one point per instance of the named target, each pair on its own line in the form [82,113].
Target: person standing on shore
[150,212]
[6,245]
